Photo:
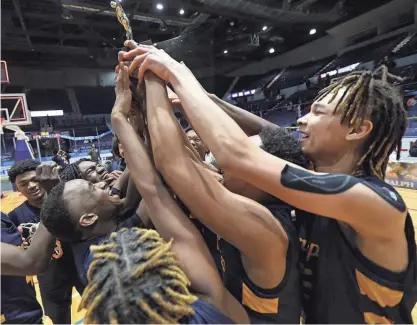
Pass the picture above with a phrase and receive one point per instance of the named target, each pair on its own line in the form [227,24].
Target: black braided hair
[72,171]
[21,167]
[281,143]
[371,95]
[134,278]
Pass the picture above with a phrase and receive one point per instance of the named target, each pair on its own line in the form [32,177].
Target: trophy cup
[122,18]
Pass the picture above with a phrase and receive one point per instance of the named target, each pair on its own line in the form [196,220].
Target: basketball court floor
[13,199]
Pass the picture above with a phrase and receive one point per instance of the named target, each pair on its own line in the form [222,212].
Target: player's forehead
[329,102]
[26,176]
[86,165]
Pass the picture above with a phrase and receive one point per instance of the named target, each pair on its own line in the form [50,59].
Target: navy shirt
[83,257]
[341,285]
[61,268]
[18,297]
[81,250]
[25,213]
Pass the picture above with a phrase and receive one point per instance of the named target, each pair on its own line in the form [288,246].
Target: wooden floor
[8,204]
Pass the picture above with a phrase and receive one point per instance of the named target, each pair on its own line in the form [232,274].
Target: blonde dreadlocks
[135,278]
[371,95]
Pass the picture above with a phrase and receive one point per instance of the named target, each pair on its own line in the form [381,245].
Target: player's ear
[360,132]
[88,219]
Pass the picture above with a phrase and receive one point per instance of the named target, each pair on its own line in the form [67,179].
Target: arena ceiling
[208,33]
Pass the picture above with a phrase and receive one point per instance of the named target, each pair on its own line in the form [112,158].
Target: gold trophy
[122,18]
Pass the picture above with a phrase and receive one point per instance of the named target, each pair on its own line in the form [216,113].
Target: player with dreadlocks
[142,276]
[90,171]
[359,261]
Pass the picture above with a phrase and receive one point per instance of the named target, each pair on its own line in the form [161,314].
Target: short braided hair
[281,143]
[371,95]
[72,171]
[135,278]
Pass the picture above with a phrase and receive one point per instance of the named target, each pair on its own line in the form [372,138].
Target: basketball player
[89,170]
[261,272]
[360,261]
[57,281]
[139,276]
[198,145]
[118,181]
[18,297]
[83,214]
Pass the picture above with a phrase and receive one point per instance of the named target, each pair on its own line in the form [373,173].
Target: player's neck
[36,203]
[103,229]
[342,164]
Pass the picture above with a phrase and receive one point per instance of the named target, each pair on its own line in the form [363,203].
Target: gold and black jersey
[281,304]
[340,285]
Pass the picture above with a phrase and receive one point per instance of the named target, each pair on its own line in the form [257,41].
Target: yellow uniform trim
[3,318]
[383,296]
[258,304]
[371,318]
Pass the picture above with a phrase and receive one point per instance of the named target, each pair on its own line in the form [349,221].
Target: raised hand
[48,176]
[112,177]
[146,57]
[123,101]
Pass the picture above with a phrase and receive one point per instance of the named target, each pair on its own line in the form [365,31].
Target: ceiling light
[114,38]
[159,6]
[271,50]
[265,28]
[313,31]
[232,23]
[155,44]
[182,11]
[225,51]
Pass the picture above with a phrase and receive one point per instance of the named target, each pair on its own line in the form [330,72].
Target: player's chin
[38,194]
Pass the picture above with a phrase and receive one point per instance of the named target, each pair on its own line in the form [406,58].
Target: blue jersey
[18,297]
[204,313]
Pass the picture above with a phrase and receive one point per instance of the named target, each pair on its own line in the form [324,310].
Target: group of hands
[135,63]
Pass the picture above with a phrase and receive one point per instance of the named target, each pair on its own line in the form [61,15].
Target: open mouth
[303,136]
[36,192]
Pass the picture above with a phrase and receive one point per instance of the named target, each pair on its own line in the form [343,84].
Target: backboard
[4,72]
[14,110]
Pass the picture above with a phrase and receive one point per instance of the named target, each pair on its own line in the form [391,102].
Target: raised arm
[165,214]
[227,214]
[369,211]
[250,123]
[15,261]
